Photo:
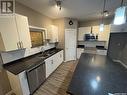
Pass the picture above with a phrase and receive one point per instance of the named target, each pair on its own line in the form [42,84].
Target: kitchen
[46,47]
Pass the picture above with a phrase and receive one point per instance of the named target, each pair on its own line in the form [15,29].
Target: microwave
[89,37]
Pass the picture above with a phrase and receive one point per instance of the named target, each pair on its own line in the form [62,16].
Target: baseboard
[69,60]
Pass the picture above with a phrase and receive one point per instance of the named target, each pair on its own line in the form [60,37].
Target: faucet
[42,50]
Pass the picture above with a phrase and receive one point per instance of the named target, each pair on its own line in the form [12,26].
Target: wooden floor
[58,82]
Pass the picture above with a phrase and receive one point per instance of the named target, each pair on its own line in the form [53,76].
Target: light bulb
[101,27]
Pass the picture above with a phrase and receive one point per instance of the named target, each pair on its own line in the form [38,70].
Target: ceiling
[79,9]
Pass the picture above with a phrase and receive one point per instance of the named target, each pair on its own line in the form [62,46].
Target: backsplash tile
[18,54]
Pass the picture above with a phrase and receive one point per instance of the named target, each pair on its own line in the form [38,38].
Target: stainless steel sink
[48,53]
[44,55]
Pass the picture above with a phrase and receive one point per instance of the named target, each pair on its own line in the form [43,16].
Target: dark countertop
[98,75]
[93,41]
[21,65]
[80,46]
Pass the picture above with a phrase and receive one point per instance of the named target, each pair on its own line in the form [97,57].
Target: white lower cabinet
[102,52]
[19,83]
[57,59]
[79,52]
[49,66]
[53,62]
[61,56]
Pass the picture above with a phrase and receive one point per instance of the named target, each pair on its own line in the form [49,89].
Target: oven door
[36,76]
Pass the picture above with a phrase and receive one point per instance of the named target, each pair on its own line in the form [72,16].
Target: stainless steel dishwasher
[36,76]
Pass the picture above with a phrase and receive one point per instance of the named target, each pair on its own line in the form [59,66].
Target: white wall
[74,26]
[96,22]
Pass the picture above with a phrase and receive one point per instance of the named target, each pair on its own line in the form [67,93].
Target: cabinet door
[82,31]
[8,33]
[49,66]
[23,31]
[55,34]
[55,61]
[61,56]
[24,83]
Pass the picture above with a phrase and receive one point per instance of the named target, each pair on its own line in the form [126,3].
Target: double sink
[48,53]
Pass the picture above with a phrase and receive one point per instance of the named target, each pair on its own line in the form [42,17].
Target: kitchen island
[98,75]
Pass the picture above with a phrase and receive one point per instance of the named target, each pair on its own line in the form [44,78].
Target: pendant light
[58,4]
[102,20]
[106,13]
[102,27]
[91,32]
[120,15]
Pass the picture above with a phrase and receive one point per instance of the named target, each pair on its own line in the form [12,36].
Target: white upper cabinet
[14,32]
[82,31]
[23,30]
[8,33]
[53,34]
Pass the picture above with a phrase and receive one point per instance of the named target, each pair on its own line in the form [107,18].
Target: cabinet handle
[18,45]
[52,61]
[21,44]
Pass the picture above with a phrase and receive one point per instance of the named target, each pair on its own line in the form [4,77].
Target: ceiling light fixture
[106,13]
[59,4]
[120,15]
[102,20]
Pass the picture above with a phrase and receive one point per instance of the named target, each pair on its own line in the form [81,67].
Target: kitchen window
[36,38]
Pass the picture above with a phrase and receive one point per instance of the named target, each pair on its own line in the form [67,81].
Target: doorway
[70,44]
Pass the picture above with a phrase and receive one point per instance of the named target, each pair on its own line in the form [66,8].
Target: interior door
[70,44]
